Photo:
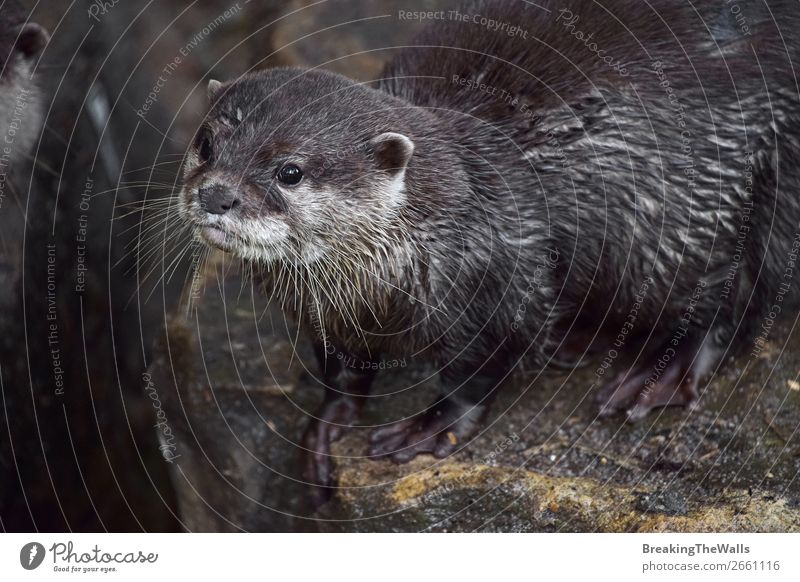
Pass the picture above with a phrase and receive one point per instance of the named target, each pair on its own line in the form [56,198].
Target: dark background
[87,459]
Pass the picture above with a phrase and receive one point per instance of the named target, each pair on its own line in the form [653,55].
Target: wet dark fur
[587,208]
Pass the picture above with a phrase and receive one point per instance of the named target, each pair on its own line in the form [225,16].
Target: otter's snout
[217,199]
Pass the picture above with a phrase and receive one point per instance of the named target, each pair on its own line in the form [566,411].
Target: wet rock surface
[239,386]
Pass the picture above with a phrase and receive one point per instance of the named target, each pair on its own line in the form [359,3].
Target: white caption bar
[400,557]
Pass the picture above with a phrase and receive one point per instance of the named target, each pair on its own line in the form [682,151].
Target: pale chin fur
[262,241]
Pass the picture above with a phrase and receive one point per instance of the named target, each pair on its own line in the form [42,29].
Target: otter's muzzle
[217,198]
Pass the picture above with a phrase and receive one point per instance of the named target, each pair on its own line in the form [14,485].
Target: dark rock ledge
[237,395]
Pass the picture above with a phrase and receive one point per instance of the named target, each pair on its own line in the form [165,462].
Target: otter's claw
[440,431]
[332,418]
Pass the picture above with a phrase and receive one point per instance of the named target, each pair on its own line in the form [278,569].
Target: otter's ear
[391,152]
[31,40]
[213,89]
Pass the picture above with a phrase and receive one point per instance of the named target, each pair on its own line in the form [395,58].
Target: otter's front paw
[441,430]
[331,420]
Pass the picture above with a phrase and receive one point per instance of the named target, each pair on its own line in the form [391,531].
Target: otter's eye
[204,145]
[206,150]
[290,175]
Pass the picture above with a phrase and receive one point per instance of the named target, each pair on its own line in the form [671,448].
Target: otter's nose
[217,199]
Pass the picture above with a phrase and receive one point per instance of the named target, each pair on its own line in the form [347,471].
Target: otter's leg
[445,426]
[669,376]
[346,387]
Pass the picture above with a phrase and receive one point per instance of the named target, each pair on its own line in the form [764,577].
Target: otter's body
[654,169]
[617,173]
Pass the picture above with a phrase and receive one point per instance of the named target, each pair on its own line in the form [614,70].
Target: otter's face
[283,168]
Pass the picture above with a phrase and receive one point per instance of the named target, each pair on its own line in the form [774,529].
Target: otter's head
[21,43]
[296,166]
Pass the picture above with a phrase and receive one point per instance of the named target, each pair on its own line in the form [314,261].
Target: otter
[21,43]
[21,118]
[611,182]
